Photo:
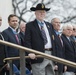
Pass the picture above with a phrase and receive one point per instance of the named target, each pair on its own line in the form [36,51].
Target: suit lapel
[48,27]
[12,35]
[57,38]
[11,32]
[69,42]
[37,28]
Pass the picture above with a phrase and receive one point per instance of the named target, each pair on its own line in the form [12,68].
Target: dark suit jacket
[10,37]
[73,40]
[58,50]
[69,51]
[33,38]
[2,52]
[22,38]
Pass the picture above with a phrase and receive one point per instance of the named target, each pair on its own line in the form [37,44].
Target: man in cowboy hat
[38,37]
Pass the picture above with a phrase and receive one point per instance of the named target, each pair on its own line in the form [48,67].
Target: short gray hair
[66,26]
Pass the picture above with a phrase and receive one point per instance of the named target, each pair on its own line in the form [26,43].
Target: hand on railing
[32,55]
[50,57]
[55,67]
[65,68]
[8,66]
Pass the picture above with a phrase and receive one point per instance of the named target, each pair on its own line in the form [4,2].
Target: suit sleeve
[5,39]
[27,37]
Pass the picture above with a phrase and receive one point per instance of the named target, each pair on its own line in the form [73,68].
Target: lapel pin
[53,37]
[48,26]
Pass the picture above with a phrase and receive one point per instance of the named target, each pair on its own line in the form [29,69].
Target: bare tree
[65,9]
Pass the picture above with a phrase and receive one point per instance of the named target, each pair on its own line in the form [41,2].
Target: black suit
[2,51]
[74,42]
[33,38]
[69,51]
[10,51]
[2,56]
[58,50]
[22,38]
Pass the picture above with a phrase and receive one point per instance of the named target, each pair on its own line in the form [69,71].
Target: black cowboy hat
[39,6]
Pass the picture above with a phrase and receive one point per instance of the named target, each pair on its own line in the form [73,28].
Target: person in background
[22,32]
[69,48]
[59,46]
[2,53]
[38,37]
[73,37]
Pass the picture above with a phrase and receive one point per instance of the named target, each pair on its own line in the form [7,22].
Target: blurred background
[63,9]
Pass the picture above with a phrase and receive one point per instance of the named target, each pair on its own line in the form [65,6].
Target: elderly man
[73,37]
[22,32]
[38,37]
[69,48]
[59,46]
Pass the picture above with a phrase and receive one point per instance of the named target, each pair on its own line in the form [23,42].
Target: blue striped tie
[43,33]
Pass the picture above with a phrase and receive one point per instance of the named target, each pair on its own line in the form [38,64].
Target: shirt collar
[14,31]
[74,38]
[58,33]
[39,22]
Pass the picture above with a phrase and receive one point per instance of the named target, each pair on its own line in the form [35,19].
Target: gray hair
[54,19]
[66,26]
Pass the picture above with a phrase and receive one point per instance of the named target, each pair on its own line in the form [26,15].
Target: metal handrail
[57,59]
[15,58]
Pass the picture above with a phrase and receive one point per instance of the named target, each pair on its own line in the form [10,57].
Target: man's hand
[65,68]
[8,66]
[32,55]
[55,67]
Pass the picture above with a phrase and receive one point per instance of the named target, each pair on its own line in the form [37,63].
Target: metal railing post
[11,67]
[22,62]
